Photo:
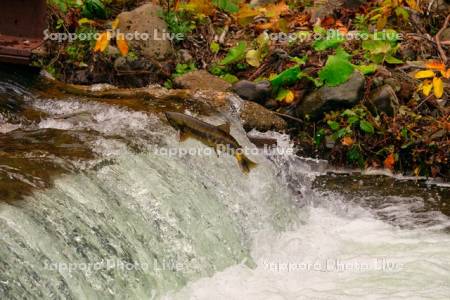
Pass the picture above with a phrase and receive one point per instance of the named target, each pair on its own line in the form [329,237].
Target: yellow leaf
[438,87]
[424,74]
[115,24]
[122,44]
[83,21]
[381,23]
[102,42]
[246,14]
[253,58]
[289,97]
[413,4]
[426,88]
[200,6]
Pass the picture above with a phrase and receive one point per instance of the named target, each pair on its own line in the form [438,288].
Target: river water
[101,201]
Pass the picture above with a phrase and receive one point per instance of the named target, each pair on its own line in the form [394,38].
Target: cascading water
[145,218]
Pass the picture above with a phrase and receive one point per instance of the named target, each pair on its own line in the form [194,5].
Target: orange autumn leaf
[435,65]
[115,24]
[446,74]
[276,10]
[122,44]
[347,141]
[246,14]
[102,42]
[389,162]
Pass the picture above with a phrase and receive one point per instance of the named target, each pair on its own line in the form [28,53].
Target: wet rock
[81,77]
[126,65]
[253,91]
[384,100]
[327,98]
[146,22]
[256,116]
[201,80]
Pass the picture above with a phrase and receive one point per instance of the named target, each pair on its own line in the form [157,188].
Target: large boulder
[327,98]
[260,118]
[144,21]
[201,80]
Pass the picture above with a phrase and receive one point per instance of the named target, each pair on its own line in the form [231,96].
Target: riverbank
[349,89]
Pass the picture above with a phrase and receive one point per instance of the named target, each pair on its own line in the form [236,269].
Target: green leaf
[282,93]
[354,155]
[338,69]
[214,47]
[320,135]
[366,127]
[287,77]
[333,125]
[94,9]
[352,120]
[236,54]
[367,69]
[392,60]
[229,6]
[230,78]
[333,40]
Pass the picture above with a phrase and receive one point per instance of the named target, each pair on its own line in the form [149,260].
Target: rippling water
[105,214]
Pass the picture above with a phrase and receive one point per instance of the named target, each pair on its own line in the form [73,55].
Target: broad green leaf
[236,54]
[230,6]
[282,93]
[366,126]
[287,77]
[338,69]
[332,40]
[333,125]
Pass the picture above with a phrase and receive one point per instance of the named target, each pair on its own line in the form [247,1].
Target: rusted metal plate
[22,25]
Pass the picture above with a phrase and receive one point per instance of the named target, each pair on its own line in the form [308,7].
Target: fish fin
[225,127]
[184,136]
[245,163]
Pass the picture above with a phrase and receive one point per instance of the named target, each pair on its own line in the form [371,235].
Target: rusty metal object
[22,25]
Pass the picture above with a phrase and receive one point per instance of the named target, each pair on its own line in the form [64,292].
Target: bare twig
[289,117]
[438,40]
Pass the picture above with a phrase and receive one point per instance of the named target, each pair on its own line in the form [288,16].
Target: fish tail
[245,163]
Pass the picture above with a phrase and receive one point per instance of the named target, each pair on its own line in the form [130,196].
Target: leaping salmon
[210,135]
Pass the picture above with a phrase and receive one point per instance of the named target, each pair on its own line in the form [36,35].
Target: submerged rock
[384,100]
[258,117]
[201,80]
[145,22]
[327,98]
[254,91]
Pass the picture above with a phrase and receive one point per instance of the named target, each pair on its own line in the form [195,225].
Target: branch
[438,40]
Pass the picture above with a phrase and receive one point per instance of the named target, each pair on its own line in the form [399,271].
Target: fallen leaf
[438,87]
[389,162]
[289,97]
[122,44]
[253,58]
[427,87]
[425,74]
[347,141]
[435,65]
[115,24]
[446,74]
[102,42]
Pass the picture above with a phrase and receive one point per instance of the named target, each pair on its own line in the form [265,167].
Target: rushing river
[101,201]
